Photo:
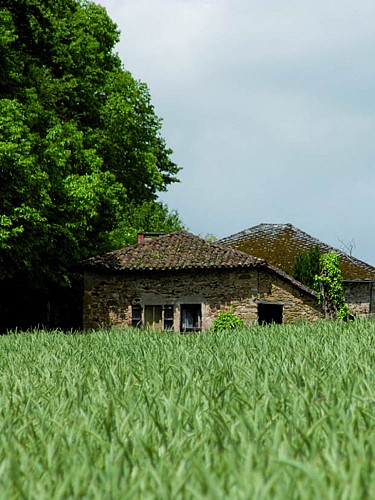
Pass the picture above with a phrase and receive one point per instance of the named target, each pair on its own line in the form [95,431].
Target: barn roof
[279,244]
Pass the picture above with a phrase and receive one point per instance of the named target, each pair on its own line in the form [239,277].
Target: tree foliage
[148,217]
[307,266]
[80,142]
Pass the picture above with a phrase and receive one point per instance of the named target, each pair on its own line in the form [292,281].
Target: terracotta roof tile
[179,251]
[175,251]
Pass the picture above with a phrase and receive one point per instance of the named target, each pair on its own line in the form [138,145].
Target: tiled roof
[279,244]
[181,251]
[175,251]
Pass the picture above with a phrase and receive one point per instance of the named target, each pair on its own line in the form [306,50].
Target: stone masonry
[109,296]
[359,295]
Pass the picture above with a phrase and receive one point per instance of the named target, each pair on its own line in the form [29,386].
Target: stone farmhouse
[279,245]
[180,281]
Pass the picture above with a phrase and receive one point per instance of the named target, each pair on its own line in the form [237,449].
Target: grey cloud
[267,105]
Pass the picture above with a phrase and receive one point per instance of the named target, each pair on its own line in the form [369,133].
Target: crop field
[266,412]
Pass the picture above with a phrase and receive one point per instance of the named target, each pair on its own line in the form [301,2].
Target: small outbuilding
[279,244]
[180,282]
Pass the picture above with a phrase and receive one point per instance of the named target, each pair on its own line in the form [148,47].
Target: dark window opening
[270,313]
[191,317]
[136,315]
[168,317]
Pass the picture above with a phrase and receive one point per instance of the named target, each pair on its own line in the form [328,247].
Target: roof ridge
[296,230]
[184,250]
[265,235]
[255,228]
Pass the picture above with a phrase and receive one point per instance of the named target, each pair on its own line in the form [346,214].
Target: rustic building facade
[279,244]
[181,282]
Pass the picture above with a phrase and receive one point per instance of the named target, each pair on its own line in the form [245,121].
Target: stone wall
[297,304]
[108,298]
[359,296]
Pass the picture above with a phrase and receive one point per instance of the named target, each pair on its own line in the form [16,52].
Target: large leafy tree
[80,142]
[147,217]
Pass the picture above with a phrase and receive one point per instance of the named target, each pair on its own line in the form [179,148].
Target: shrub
[307,266]
[226,320]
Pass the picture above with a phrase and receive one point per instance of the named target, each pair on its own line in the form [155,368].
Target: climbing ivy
[329,282]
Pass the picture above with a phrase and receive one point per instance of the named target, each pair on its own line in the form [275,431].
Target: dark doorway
[191,315]
[270,313]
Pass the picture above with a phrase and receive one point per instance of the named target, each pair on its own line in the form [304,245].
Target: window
[191,315]
[156,317]
[153,317]
[136,315]
[168,317]
[270,313]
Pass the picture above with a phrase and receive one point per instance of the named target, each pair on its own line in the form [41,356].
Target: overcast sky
[268,106]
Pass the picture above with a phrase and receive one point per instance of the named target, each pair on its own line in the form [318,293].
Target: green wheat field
[281,412]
